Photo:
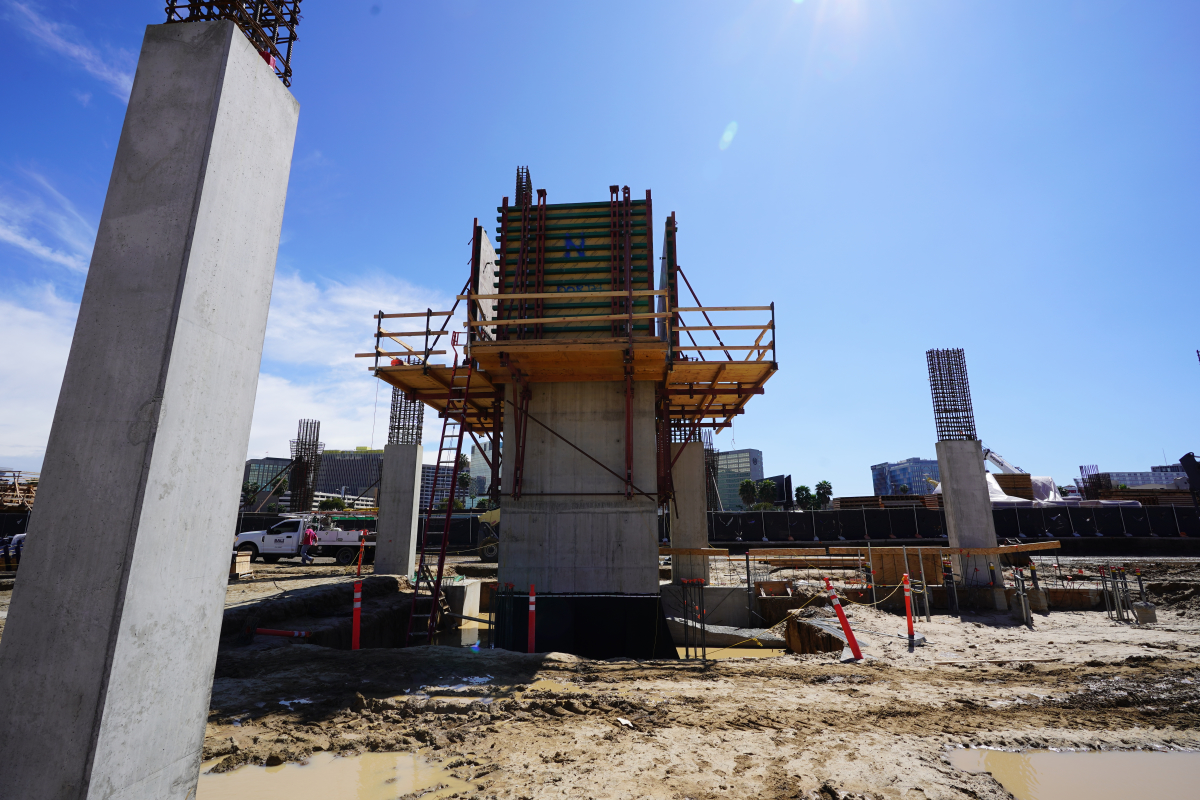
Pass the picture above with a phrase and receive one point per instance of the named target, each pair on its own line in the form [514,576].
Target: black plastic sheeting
[12,524]
[881,524]
[464,532]
[588,625]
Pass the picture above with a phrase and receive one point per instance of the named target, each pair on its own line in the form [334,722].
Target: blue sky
[1016,178]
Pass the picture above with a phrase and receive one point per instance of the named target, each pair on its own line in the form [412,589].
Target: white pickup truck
[282,540]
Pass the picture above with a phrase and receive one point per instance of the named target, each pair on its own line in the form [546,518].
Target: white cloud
[63,39]
[309,369]
[36,326]
[46,225]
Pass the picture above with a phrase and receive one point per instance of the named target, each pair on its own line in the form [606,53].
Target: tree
[748,491]
[332,504]
[250,490]
[824,492]
[766,492]
[441,505]
[464,475]
[805,499]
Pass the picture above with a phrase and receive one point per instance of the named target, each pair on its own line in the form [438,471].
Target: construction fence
[861,524]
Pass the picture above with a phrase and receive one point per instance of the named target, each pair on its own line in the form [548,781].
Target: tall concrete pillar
[399,500]
[689,512]
[969,521]
[573,530]
[111,639]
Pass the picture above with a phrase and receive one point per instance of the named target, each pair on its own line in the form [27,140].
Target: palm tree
[747,490]
[824,492]
[766,491]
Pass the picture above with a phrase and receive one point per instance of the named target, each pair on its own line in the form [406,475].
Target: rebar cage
[407,420]
[306,451]
[951,395]
[270,25]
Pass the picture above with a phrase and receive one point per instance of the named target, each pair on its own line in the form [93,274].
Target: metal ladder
[449,452]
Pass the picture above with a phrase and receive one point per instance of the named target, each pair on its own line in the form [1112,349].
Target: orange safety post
[837,606]
[355,625]
[908,608]
[362,545]
[532,620]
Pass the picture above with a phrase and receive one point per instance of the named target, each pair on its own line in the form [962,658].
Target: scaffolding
[572,296]
[951,395]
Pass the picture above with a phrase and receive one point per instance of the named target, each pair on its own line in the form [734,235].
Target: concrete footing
[111,637]
[399,499]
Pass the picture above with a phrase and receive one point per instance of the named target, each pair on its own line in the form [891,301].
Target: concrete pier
[399,498]
[573,530]
[689,512]
[969,521]
[111,638]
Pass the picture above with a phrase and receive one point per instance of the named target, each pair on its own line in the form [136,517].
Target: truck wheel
[346,555]
[251,549]
[490,550]
[272,559]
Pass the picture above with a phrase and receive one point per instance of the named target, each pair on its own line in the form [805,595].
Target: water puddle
[371,776]
[1050,775]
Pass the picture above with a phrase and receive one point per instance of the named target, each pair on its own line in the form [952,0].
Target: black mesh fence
[1189,520]
[775,526]
[882,524]
[725,526]
[931,523]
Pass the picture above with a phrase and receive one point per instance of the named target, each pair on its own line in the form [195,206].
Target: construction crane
[1001,462]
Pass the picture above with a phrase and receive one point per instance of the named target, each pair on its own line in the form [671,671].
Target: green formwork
[577,258]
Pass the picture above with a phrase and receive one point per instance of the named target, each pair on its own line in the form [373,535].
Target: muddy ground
[551,725]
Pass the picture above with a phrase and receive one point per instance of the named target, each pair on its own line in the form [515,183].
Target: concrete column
[399,499]
[111,640]
[969,520]
[573,530]
[689,512]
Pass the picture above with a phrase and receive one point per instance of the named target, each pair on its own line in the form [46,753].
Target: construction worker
[308,541]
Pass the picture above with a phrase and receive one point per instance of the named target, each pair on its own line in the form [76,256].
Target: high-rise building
[733,467]
[445,475]
[481,473]
[888,478]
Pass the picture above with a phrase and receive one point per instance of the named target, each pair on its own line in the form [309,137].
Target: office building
[353,472]
[481,473]
[445,475]
[913,473]
[733,467]
[785,497]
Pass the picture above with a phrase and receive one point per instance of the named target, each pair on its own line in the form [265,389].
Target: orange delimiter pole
[532,625]
[908,606]
[837,606]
